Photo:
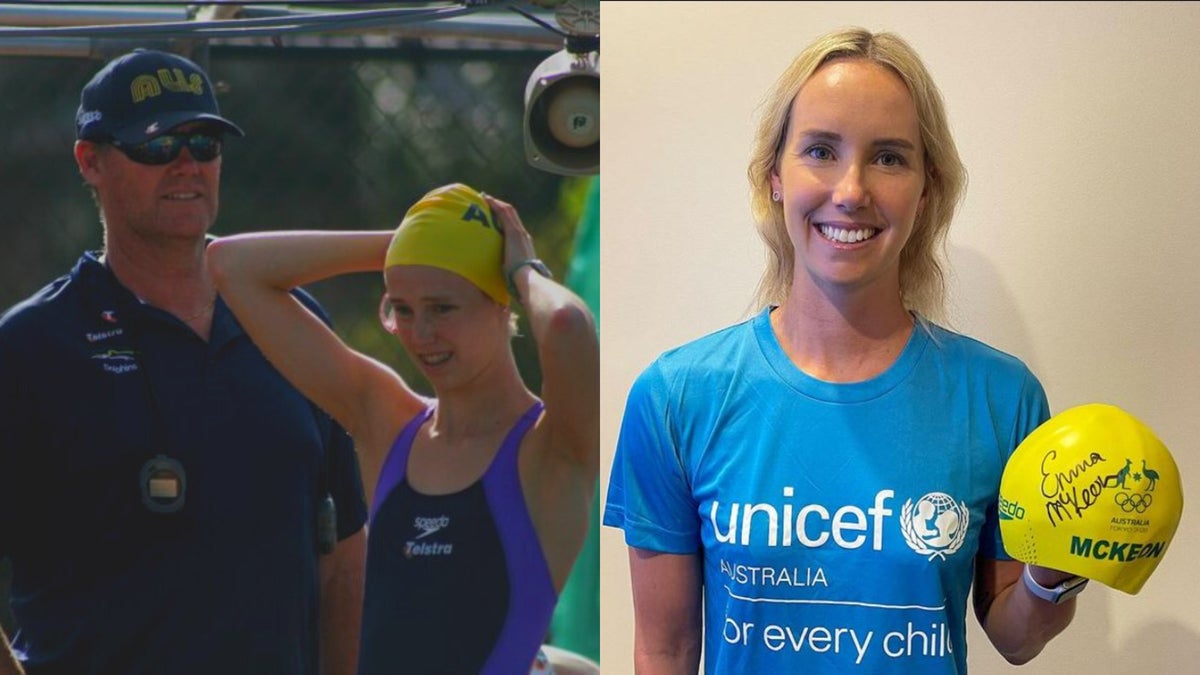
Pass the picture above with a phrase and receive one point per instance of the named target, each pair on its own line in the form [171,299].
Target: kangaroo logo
[1118,479]
[936,525]
[1123,474]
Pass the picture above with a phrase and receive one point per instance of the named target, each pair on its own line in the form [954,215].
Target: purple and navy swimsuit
[456,583]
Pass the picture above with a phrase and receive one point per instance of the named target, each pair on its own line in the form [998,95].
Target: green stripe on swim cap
[454,229]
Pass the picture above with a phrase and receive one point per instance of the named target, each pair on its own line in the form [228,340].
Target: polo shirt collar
[105,293]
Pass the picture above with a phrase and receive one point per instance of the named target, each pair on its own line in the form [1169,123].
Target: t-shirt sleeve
[649,491]
[1032,410]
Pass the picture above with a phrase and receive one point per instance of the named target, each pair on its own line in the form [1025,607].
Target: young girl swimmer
[482,493]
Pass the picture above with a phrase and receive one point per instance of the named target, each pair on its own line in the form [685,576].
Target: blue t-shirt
[837,523]
[95,387]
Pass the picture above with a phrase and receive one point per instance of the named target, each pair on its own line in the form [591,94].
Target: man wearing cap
[172,504]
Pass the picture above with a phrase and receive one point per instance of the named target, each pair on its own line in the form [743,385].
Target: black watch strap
[535,263]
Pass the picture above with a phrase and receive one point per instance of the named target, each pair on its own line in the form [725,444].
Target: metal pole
[75,15]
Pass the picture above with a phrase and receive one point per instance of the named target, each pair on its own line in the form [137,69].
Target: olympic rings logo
[1133,501]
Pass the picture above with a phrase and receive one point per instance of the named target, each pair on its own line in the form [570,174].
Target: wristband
[1065,590]
[535,263]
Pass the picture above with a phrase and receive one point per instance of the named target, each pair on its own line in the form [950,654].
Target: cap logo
[149,86]
[475,213]
[1100,494]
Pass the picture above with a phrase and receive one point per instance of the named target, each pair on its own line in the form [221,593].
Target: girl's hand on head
[518,244]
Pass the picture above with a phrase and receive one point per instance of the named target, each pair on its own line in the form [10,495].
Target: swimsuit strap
[531,588]
[396,463]
[395,466]
[512,442]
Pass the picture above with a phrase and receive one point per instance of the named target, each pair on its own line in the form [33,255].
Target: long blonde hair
[922,278]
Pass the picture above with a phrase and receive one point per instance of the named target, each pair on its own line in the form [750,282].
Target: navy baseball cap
[144,94]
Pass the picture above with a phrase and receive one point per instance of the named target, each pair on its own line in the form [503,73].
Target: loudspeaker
[562,114]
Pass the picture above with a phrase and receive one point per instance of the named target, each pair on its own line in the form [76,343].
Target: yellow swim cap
[1092,491]
[453,228]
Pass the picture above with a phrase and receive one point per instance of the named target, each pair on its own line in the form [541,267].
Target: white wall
[1077,248]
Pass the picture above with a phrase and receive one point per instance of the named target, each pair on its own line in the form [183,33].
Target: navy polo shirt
[93,386]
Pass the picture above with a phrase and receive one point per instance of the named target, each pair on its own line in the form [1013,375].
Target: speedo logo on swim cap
[1011,510]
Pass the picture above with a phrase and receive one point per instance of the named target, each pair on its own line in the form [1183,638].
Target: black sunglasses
[164,149]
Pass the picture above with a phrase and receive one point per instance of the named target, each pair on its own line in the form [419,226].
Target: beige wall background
[1077,248]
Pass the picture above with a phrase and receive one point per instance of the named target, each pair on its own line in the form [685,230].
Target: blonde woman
[814,490]
[482,493]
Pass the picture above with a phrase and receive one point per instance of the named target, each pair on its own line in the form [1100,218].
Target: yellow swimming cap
[1092,491]
[453,228]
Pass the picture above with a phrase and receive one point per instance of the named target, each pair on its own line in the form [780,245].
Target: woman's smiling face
[851,176]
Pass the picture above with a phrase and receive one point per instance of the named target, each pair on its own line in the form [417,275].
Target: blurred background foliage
[338,136]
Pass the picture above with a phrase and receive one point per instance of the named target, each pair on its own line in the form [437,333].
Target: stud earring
[775,196]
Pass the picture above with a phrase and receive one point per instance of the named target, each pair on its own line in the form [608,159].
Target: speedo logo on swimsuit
[430,525]
[427,526]
[933,525]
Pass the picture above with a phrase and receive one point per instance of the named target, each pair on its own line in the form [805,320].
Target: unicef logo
[936,525]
